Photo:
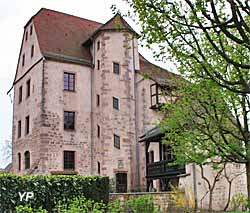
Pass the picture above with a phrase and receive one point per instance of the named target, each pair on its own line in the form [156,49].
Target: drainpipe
[137,152]
[91,113]
[195,186]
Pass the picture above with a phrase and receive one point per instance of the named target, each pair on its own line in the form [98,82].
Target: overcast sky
[14,14]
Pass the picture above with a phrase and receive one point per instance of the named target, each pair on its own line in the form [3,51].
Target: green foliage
[50,190]
[28,209]
[142,204]
[239,202]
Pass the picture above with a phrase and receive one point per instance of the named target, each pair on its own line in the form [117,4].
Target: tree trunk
[248,182]
[210,199]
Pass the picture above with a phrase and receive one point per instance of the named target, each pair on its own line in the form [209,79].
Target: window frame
[69,164]
[97,100]
[27,125]
[19,158]
[115,65]
[66,126]
[116,103]
[117,144]
[70,86]
[19,129]
[32,51]
[23,59]
[27,160]
[20,94]
[28,87]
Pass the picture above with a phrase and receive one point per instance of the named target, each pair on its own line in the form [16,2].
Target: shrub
[239,202]
[49,190]
[142,204]
[28,209]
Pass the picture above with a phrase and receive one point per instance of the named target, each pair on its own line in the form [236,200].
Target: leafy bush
[239,202]
[142,204]
[49,190]
[28,209]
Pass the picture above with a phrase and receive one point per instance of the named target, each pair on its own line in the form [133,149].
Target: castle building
[86,102]
[81,99]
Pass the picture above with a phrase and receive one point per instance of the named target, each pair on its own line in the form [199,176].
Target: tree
[210,41]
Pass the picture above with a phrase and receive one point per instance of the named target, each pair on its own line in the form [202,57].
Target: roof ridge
[43,8]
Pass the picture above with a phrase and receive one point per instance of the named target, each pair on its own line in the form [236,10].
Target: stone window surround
[74,83]
[116,103]
[28,88]
[117,141]
[27,159]
[75,115]
[115,63]
[75,159]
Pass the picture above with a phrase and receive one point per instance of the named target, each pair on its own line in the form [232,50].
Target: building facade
[83,99]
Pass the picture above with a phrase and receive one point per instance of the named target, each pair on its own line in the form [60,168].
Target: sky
[14,14]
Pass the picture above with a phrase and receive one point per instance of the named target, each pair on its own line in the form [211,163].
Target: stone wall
[161,199]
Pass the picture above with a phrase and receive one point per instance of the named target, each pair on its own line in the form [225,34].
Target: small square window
[69,120]
[32,51]
[28,88]
[98,64]
[98,45]
[116,68]
[115,103]
[20,97]
[19,129]
[98,131]
[23,60]
[27,125]
[117,141]
[69,160]
[69,81]
[97,100]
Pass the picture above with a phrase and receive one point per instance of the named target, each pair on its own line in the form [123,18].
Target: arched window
[27,159]
[19,161]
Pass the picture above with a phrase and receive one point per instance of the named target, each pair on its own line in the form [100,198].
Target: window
[69,160]
[151,157]
[20,94]
[69,120]
[97,100]
[19,161]
[19,129]
[27,125]
[116,68]
[69,81]
[27,160]
[28,88]
[117,141]
[26,36]
[23,60]
[32,51]
[98,64]
[31,30]
[121,182]
[98,45]
[99,168]
[115,103]
[98,131]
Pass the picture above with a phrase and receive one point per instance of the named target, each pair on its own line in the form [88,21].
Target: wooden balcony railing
[163,169]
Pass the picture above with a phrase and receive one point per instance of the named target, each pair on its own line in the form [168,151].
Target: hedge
[49,190]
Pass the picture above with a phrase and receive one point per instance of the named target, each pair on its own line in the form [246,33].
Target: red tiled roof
[60,33]
[157,73]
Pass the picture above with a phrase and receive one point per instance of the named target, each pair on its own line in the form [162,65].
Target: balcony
[163,169]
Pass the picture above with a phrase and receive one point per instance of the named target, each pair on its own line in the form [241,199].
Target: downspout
[195,186]
[137,152]
[91,113]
